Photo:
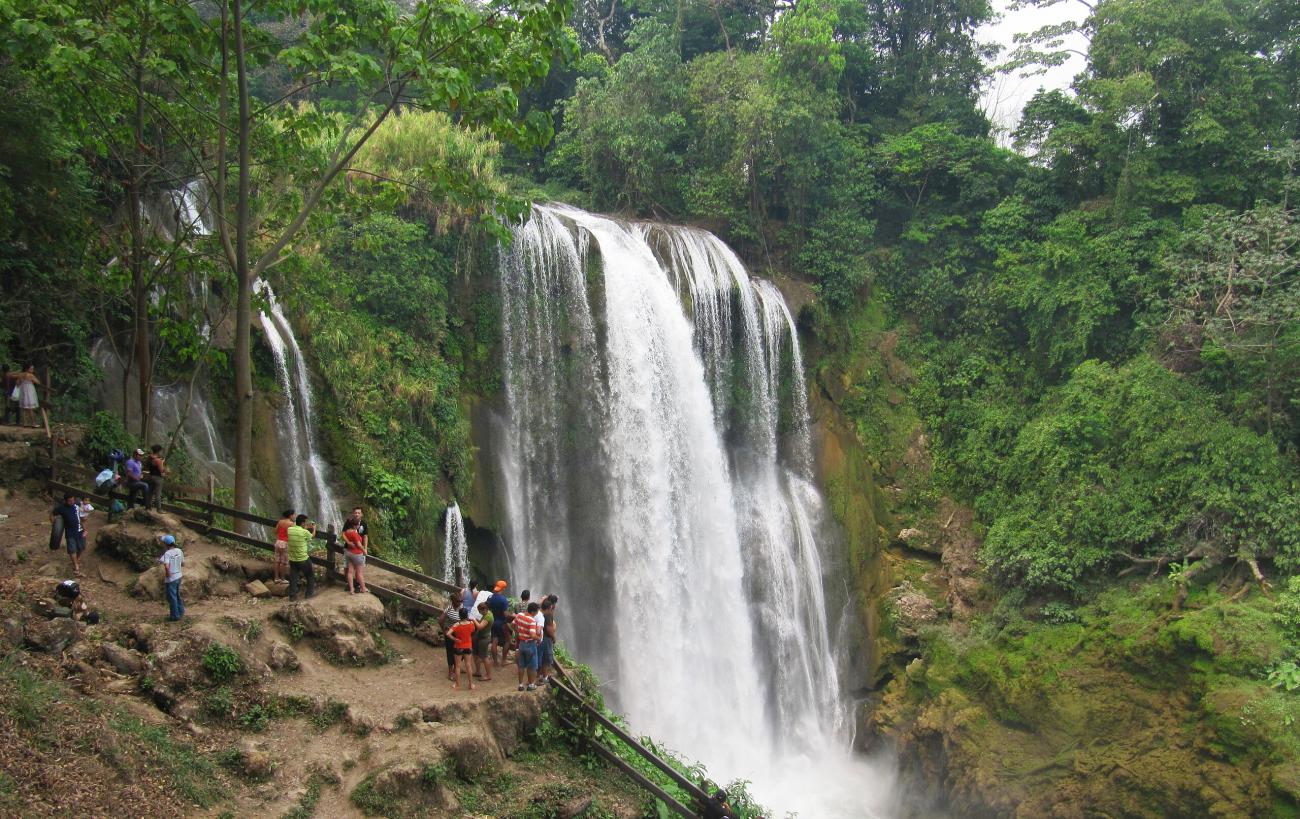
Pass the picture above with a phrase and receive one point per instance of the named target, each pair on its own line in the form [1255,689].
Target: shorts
[527,657]
[357,559]
[546,653]
[464,652]
[282,552]
[501,632]
[482,646]
[76,542]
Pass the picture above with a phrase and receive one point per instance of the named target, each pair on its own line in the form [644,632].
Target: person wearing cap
[172,560]
[137,491]
[499,604]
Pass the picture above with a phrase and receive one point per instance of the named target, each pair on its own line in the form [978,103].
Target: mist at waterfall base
[657,476]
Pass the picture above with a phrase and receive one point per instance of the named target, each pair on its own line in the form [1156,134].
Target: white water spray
[455,550]
[304,467]
[657,476]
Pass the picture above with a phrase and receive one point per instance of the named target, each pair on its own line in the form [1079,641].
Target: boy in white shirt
[172,560]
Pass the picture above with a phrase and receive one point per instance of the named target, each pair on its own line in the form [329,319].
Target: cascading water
[304,467]
[455,555]
[657,476]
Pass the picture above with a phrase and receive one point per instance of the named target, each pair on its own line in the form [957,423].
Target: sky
[1006,94]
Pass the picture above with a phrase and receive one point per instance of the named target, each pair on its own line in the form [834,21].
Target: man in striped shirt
[527,632]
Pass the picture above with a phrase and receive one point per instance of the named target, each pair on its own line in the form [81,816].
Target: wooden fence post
[331,549]
[212,499]
[54,463]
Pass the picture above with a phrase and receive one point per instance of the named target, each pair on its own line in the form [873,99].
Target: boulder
[198,582]
[411,782]
[257,589]
[255,761]
[918,541]
[123,660]
[513,720]
[911,610]
[341,626]
[178,663]
[428,632]
[472,756]
[13,630]
[278,656]
[278,588]
[134,539]
[52,636]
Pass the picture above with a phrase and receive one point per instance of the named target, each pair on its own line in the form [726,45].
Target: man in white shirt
[172,560]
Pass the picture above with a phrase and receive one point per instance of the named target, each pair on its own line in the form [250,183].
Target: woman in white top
[25,391]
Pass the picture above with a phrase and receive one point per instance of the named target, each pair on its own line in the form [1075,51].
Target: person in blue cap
[172,560]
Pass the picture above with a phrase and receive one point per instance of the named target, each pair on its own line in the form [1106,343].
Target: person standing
[137,491]
[69,514]
[483,643]
[24,390]
[499,604]
[10,382]
[526,656]
[357,517]
[172,560]
[280,568]
[450,616]
[155,468]
[462,637]
[299,536]
[546,648]
[354,551]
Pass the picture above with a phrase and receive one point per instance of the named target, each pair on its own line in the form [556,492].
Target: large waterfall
[657,476]
[305,471]
[455,551]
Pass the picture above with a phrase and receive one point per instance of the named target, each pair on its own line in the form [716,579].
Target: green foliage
[104,434]
[1131,460]
[222,662]
[1287,610]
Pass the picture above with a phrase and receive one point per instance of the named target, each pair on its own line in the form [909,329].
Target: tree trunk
[243,274]
[139,280]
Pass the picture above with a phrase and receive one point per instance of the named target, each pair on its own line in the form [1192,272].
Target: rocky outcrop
[134,539]
[342,627]
[52,636]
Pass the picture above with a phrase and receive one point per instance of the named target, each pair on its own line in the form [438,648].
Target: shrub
[222,662]
[1287,610]
[104,434]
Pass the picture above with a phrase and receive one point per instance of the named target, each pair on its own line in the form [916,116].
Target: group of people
[141,475]
[293,536]
[20,398]
[483,627]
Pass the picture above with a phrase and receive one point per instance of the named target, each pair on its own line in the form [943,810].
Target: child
[354,552]
[280,568]
[462,634]
[172,560]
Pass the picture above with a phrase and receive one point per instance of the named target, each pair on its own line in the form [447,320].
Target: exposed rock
[255,762]
[411,782]
[911,610]
[278,588]
[197,582]
[13,630]
[428,632]
[574,807]
[134,539]
[407,717]
[140,636]
[472,755]
[278,656]
[123,660]
[257,589]
[448,713]
[342,626]
[52,636]
[918,541]
[513,719]
[178,663]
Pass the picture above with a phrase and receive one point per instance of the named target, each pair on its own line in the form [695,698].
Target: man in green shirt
[299,536]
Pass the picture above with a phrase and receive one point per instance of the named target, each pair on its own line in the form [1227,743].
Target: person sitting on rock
[137,491]
[462,636]
[300,535]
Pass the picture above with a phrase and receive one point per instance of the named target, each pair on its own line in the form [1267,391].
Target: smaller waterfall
[304,468]
[455,555]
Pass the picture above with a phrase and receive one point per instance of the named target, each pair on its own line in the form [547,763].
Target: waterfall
[305,470]
[455,555]
[656,474]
